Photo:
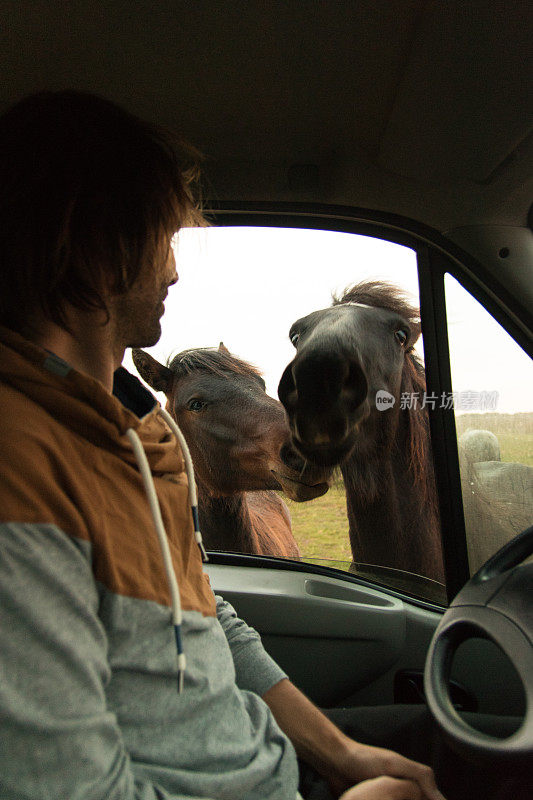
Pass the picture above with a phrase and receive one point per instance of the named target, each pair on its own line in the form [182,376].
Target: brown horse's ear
[155,374]
[223,349]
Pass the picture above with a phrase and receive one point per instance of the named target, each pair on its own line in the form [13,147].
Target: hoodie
[89,706]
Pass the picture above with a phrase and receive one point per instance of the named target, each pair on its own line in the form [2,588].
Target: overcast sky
[246,286]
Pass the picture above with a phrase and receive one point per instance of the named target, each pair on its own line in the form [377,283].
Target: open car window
[246,287]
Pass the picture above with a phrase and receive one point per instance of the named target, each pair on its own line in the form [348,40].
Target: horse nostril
[355,384]
[287,389]
[291,458]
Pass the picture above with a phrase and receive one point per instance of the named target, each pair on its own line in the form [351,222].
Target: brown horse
[235,433]
[343,395]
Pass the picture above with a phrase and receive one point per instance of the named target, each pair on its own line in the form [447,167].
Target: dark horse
[235,432]
[343,395]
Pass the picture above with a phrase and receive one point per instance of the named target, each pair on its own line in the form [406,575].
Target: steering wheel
[495,604]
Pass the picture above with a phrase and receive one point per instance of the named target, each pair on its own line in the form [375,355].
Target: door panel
[345,644]
[336,640]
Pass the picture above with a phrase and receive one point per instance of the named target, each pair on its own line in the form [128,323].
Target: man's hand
[342,761]
[384,788]
[357,762]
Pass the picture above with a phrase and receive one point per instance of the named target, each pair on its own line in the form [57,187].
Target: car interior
[408,122]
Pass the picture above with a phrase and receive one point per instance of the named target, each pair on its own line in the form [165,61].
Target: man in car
[100,575]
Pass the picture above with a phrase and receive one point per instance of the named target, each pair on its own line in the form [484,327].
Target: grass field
[321,527]
[516,447]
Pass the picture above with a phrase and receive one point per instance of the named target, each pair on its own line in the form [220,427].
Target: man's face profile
[138,312]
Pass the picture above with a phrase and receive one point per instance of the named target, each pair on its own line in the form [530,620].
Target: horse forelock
[379,294]
[212,361]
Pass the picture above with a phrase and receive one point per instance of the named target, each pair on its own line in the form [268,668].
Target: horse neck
[392,517]
[257,523]
[225,522]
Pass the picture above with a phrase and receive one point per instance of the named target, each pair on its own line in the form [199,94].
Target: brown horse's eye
[196,405]
[401,336]
[294,338]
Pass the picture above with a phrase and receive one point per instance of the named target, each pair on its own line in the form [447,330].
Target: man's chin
[147,338]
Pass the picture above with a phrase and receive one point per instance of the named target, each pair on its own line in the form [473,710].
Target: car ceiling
[411,107]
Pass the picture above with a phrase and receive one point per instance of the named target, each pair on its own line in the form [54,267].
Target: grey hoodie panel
[256,671]
[88,701]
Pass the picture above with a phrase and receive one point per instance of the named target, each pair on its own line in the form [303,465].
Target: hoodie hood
[85,407]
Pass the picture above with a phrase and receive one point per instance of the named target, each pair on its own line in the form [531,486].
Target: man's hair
[88,194]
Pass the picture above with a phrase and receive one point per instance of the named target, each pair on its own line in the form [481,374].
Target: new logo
[384,400]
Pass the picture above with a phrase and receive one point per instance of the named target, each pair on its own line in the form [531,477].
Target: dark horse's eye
[401,336]
[294,338]
[196,405]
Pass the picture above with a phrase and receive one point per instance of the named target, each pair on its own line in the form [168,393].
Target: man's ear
[223,349]
[155,374]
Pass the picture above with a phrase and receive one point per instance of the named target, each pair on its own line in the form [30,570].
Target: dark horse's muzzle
[324,395]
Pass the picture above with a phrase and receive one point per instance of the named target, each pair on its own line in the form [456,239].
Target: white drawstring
[193,493]
[155,509]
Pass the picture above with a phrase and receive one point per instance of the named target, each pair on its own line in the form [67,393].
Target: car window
[245,287]
[492,398]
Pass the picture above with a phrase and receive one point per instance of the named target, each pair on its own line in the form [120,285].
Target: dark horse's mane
[379,294]
[211,360]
